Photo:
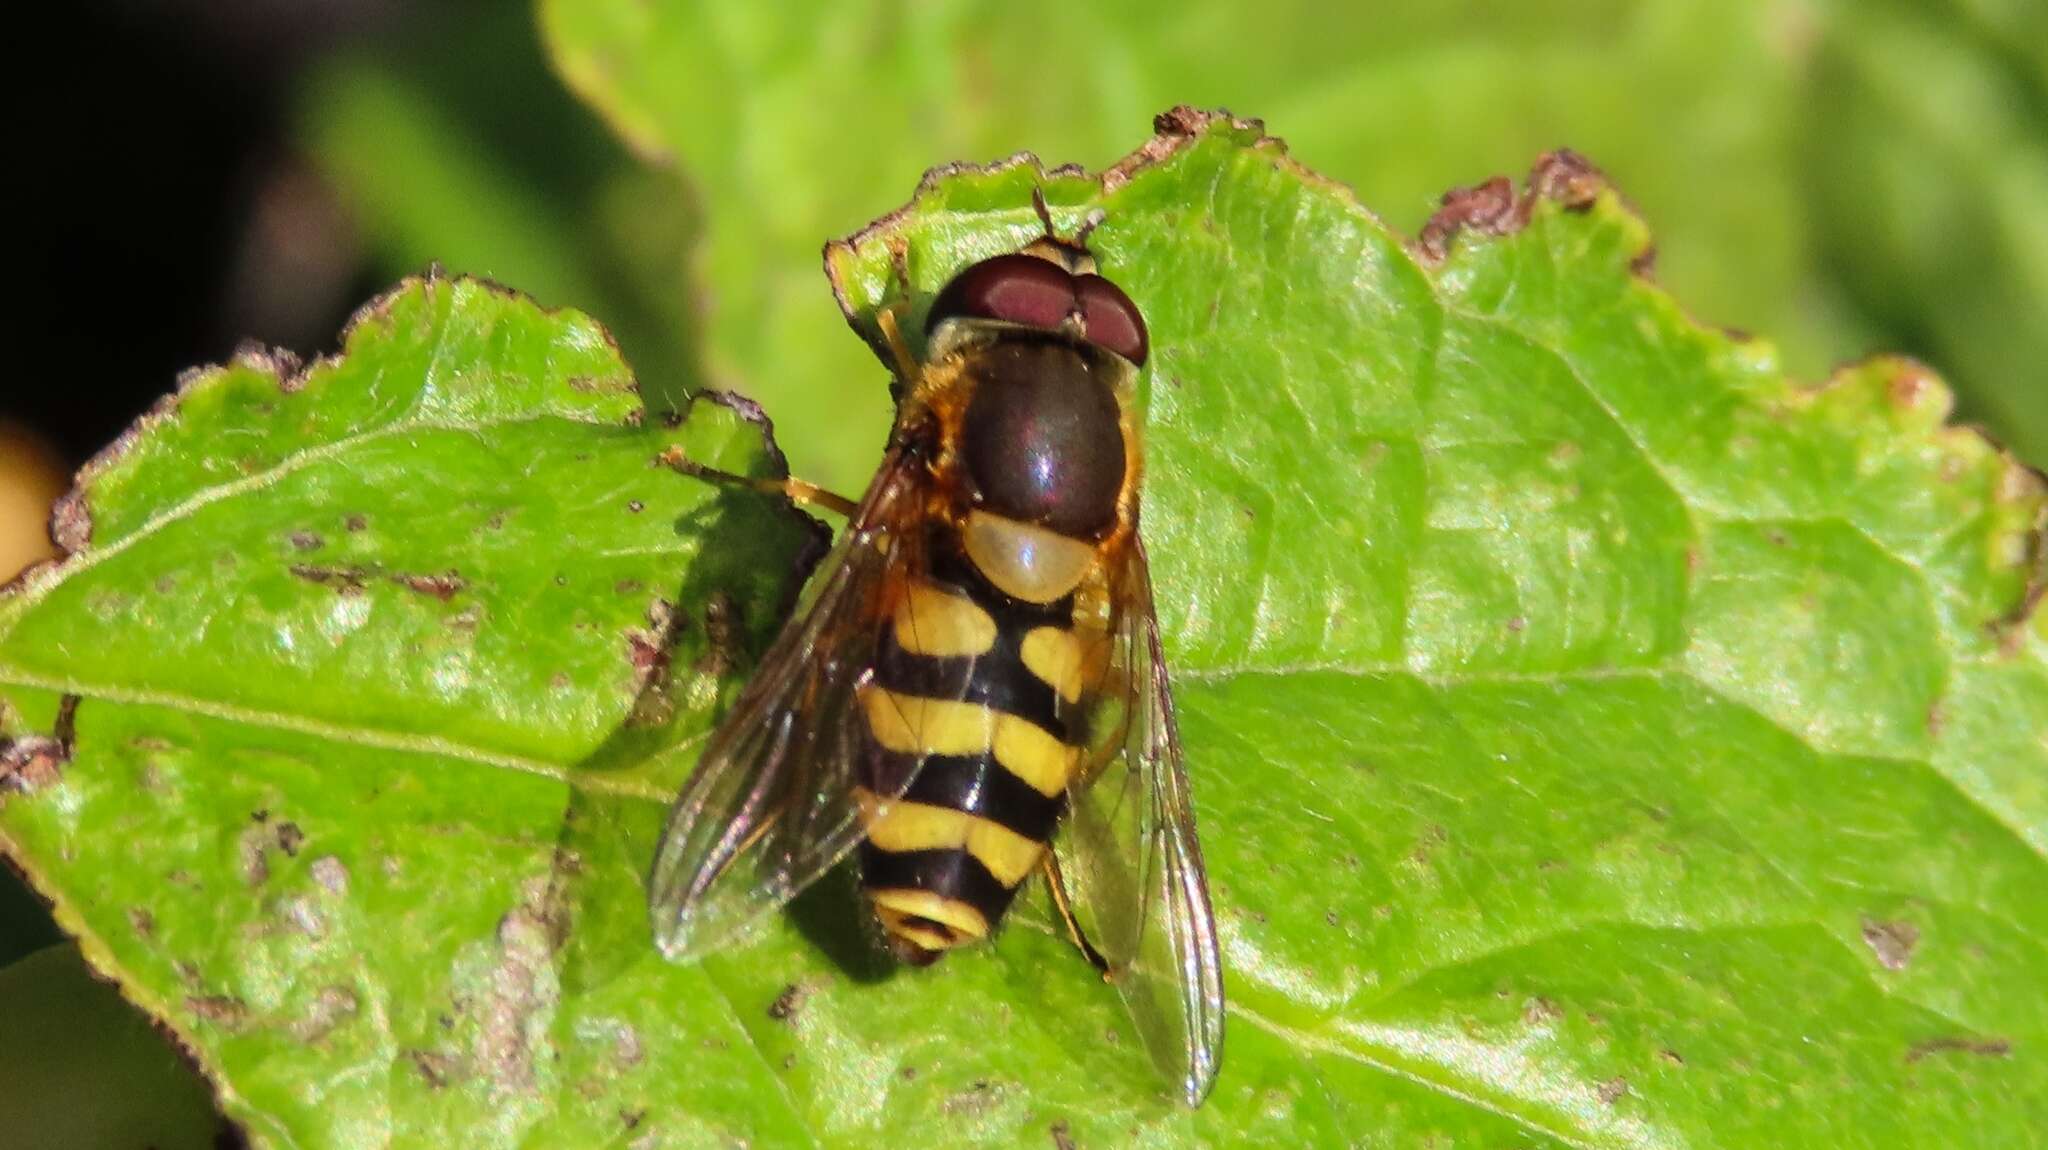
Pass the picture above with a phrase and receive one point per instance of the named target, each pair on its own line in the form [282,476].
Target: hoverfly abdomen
[942,863]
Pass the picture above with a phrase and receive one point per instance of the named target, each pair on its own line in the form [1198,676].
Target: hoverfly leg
[892,334]
[1058,885]
[790,488]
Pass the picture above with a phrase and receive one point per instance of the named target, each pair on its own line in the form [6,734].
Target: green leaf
[1599,739]
[333,652]
[794,121]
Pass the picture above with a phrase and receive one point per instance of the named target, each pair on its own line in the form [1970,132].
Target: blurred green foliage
[1839,178]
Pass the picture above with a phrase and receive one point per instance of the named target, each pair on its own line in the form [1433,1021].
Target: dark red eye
[1015,288]
[1033,292]
[1113,320]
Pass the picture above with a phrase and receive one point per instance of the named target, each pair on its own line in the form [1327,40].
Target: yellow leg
[795,490]
[906,364]
[1058,885]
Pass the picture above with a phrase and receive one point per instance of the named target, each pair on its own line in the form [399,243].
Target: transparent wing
[772,803]
[1130,860]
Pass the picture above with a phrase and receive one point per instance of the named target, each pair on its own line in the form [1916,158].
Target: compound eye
[1113,320]
[1013,288]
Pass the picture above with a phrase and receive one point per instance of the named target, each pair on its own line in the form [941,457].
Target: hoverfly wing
[772,804]
[1131,863]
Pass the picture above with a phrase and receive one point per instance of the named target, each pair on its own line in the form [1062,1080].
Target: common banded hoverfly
[972,691]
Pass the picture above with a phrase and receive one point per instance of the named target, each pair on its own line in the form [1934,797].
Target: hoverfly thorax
[1035,358]
[974,692]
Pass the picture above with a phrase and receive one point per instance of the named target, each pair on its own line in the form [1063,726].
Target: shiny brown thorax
[1026,428]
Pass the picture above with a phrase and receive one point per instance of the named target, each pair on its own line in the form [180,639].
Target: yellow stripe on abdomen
[934,622]
[895,904]
[909,826]
[918,726]
[1053,654]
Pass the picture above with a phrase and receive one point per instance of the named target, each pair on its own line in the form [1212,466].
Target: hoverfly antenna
[1044,213]
[1088,226]
[1078,244]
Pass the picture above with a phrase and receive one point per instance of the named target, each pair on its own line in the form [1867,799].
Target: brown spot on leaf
[1982,1047]
[519,990]
[1488,208]
[333,1006]
[977,1099]
[222,1010]
[355,523]
[1670,1057]
[252,848]
[648,647]
[1892,942]
[1493,209]
[32,762]
[306,541]
[143,921]
[610,385]
[341,580]
[1612,1090]
[723,634]
[290,838]
[1569,178]
[1540,1011]
[437,1068]
[635,506]
[444,586]
[1061,1139]
[790,1002]
[71,522]
[1517,623]
[650,650]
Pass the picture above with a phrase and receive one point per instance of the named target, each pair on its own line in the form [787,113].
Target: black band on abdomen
[978,785]
[949,873]
[997,680]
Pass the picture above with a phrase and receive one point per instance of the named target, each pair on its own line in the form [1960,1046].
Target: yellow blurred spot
[31,479]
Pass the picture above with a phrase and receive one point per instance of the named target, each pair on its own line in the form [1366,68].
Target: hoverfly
[973,691]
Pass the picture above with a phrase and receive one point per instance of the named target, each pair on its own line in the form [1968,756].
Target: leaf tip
[748,411]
